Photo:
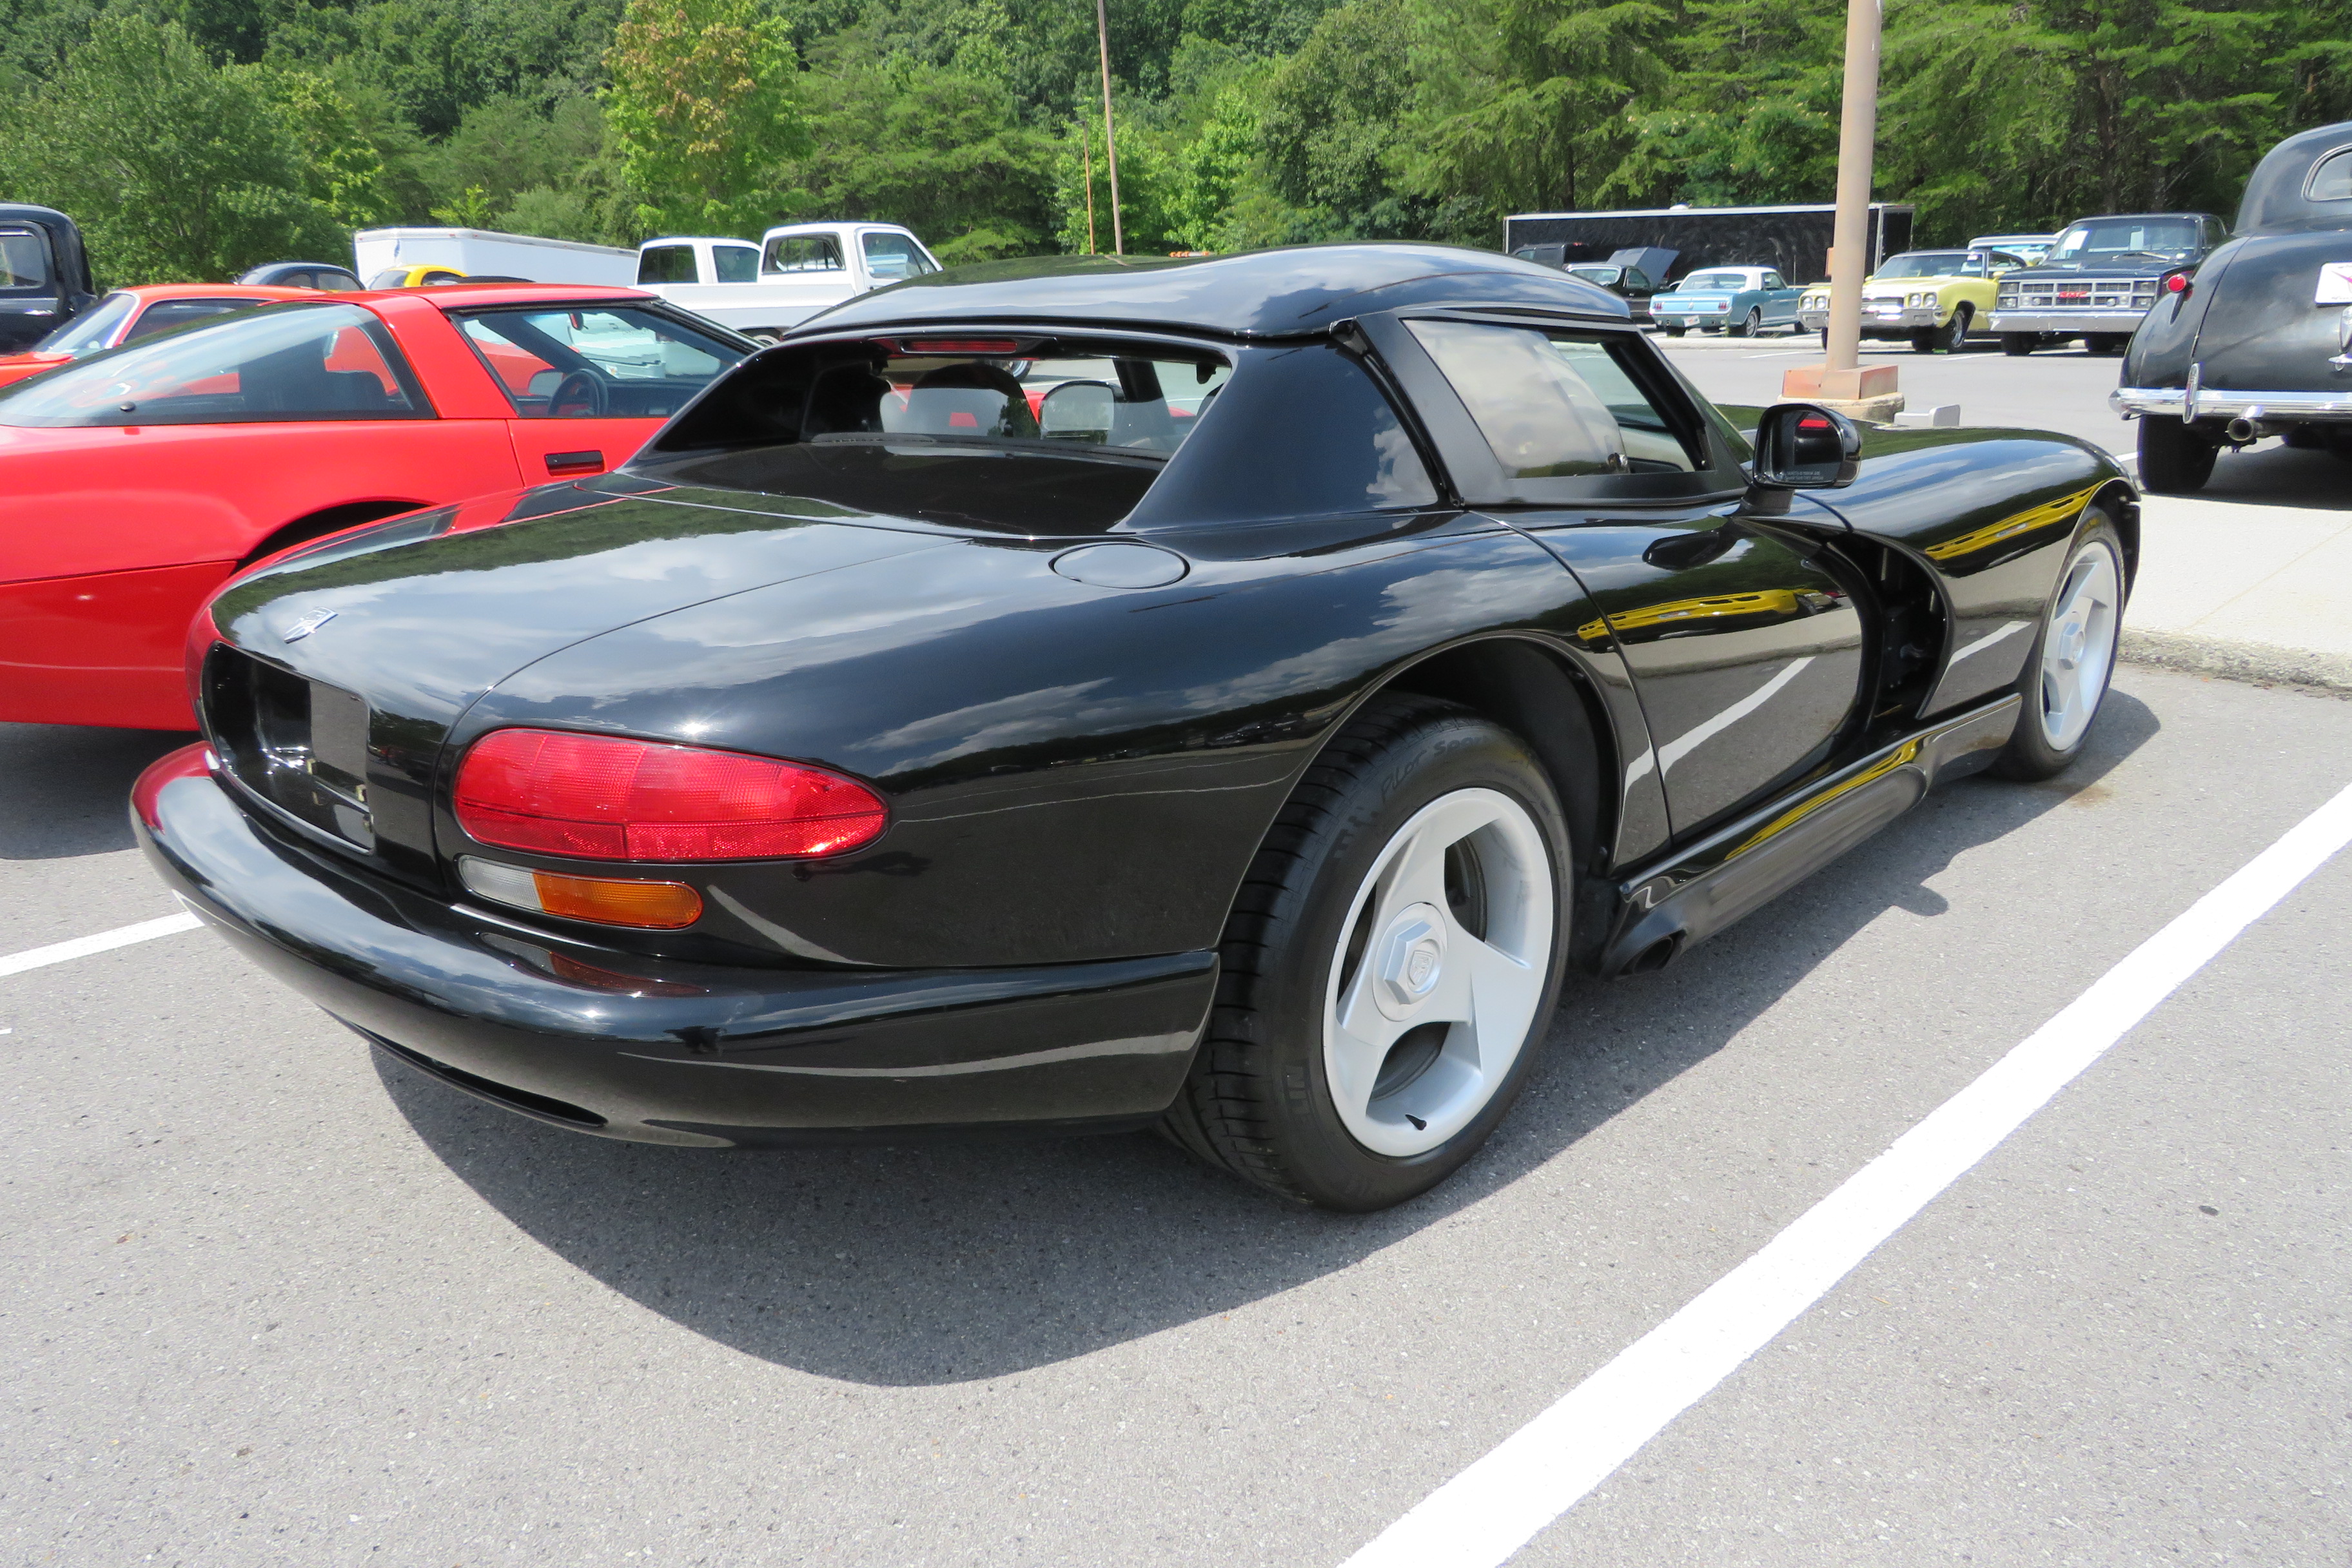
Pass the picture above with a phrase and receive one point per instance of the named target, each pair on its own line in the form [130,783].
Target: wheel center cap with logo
[1409,960]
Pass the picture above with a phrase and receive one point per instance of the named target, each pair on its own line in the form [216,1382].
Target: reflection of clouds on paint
[1014,721]
[1417,612]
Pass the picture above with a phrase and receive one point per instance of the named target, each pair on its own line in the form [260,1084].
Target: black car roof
[2275,202]
[1295,290]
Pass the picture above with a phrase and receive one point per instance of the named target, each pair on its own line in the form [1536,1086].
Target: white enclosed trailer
[477,252]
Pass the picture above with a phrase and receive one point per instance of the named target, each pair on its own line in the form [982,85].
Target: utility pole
[1110,136]
[1086,159]
[1870,392]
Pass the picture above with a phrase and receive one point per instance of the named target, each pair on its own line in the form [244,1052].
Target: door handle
[575,462]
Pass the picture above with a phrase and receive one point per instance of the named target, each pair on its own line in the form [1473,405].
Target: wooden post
[1841,378]
[1087,155]
[1111,134]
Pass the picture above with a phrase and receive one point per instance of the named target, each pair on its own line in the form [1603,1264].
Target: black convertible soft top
[1288,292]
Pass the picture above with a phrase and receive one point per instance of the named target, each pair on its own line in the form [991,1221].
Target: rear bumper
[2225,403]
[658,1051]
[2068,324]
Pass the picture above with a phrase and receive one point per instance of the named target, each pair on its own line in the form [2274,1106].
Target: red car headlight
[604,797]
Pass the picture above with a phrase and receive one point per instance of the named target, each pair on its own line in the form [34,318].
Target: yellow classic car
[1932,297]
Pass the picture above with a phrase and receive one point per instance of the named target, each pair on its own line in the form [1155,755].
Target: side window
[666,264]
[617,362]
[1297,432]
[1636,279]
[1554,405]
[735,263]
[24,259]
[894,256]
[165,314]
[287,362]
[800,253]
[1772,280]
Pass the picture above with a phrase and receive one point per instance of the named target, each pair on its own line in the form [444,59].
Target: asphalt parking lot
[270,1300]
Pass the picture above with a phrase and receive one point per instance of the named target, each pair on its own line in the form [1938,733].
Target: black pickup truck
[44,278]
[2099,280]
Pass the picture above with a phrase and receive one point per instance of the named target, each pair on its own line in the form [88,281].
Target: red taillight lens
[2176,283]
[601,798]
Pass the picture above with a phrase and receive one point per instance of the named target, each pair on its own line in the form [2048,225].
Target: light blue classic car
[1742,300]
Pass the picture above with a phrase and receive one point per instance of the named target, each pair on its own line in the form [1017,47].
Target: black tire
[1825,340]
[1751,325]
[2017,345]
[2030,756]
[1676,331]
[2174,460]
[1953,336]
[1258,1102]
[2105,343]
[1924,343]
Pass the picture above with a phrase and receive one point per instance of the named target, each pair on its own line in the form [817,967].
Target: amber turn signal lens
[607,901]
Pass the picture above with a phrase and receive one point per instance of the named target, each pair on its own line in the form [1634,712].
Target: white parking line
[83,946]
[1482,1517]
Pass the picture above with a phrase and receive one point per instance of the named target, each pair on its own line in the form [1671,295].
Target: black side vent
[298,745]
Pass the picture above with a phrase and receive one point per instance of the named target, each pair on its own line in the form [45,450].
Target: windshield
[2112,239]
[285,363]
[88,333]
[1732,281]
[1928,264]
[1606,276]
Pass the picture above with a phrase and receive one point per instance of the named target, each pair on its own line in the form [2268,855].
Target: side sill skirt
[1703,890]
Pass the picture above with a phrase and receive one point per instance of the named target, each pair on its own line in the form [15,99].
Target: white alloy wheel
[1441,966]
[2078,645]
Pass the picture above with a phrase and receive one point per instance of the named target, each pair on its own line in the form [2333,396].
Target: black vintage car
[2257,341]
[2098,280]
[44,278]
[1228,695]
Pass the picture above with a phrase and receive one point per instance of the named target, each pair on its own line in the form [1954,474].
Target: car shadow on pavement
[69,789]
[945,1263]
[2274,474]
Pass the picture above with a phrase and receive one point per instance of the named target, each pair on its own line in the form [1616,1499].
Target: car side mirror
[1804,446]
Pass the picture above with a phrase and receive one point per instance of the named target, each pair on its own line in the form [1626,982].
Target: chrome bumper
[2067,323]
[1912,319]
[2228,403]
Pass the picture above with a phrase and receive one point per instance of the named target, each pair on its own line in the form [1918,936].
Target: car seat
[969,398]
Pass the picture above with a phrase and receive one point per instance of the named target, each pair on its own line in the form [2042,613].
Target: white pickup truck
[793,272]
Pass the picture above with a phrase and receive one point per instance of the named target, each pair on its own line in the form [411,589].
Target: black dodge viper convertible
[1228,695]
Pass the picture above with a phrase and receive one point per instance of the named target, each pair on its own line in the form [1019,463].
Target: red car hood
[17,367]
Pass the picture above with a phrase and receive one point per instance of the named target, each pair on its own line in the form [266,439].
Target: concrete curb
[2259,663]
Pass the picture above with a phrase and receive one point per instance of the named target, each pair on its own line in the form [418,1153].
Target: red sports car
[134,481]
[127,315]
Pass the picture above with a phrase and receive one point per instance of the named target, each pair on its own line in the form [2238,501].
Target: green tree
[2109,105]
[1750,111]
[1528,103]
[177,169]
[703,111]
[939,147]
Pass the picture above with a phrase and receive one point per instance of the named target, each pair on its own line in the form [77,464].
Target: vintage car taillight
[2176,283]
[604,797]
